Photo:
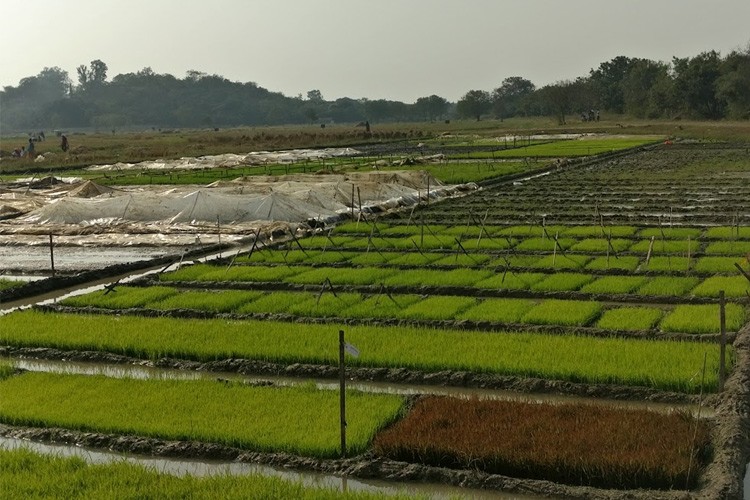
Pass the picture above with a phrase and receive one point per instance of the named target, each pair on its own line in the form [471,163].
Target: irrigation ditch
[569,195]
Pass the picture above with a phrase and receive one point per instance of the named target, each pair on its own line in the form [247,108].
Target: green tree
[431,107]
[733,85]
[474,104]
[638,84]
[508,99]
[607,81]
[695,85]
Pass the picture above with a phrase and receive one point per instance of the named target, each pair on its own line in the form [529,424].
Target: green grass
[733,286]
[666,365]
[122,297]
[544,244]
[344,276]
[671,233]
[576,147]
[511,281]
[295,419]
[615,284]
[532,231]
[630,318]
[728,233]
[665,247]
[563,312]
[428,277]
[668,286]
[560,261]
[498,310]
[25,474]
[598,231]
[5,284]
[738,248]
[626,263]
[380,306]
[562,282]
[437,307]
[326,305]
[415,259]
[463,260]
[601,245]
[274,303]
[667,264]
[703,318]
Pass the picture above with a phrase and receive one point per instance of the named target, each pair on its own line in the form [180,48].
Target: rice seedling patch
[582,445]
[326,305]
[630,318]
[728,233]
[562,282]
[380,306]
[463,260]
[703,318]
[516,261]
[429,277]
[738,248]
[615,284]
[320,241]
[257,274]
[273,302]
[534,231]
[561,261]
[372,258]
[724,265]
[415,258]
[601,245]
[511,280]
[668,286]
[187,273]
[214,301]
[733,286]
[498,310]
[671,233]
[597,231]
[563,312]
[437,307]
[668,264]
[413,229]
[625,263]
[544,244]
[663,246]
[343,276]
[486,243]
[122,297]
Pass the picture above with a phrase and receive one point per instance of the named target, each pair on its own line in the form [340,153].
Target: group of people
[30,149]
[591,116]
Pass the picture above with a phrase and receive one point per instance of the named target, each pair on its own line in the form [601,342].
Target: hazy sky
[391,49]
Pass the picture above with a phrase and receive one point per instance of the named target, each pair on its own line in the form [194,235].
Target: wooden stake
[650,248]
[342,393]
[52,254]
[723,341]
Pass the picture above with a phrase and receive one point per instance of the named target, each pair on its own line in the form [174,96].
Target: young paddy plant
[415,258]
[703,318]
[667,264]
[671,233]
[121,297]
[738,248]
[437,307]
[342,276]
[728,233]
[563,312]
[220,301]
[295,419]
[511,280]
[664,246]
[544,244]
[380,306]
[623,263]
[561,261]
[532,231]
[733,286]
[598,231]
[668,286]
[601,245]
[562,282]
[630,318]
[614,284]
[665,365]
[274,303]
[723,265]
[324,305]
[429,277]
[463,260]
[498,310]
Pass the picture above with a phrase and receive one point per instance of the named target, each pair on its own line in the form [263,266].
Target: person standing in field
[64,144]
[30,149]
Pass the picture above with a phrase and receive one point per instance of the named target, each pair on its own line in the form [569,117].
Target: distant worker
[367,126]
[64,143]
[30,149]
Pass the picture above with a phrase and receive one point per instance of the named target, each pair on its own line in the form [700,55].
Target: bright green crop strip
[300,420]
[428,242]
[415,259]
[427,277]
[563,312]
[317,241]
[671,233]
[437,307]
[212,301]
[733,286]
[326,305]
[601,245]
[536,231]
[571,148]
[666,365]
[630,318]
[511,280]
[661,247]
[344,276]
[24,474]
[498,310]
[739,248]
[562,282]
[627,263]
[121,297]
[615,284]
[721,265]
[274,302]
[669,264]
[598,231]
[668,286]
[463,260]
[703,318]
[561,261]
[544,244]
[5,284]
[277,256]
[206,272]
[372,258]
[413,229]
[486,243]
[380,306]
[728,233]
[457,173]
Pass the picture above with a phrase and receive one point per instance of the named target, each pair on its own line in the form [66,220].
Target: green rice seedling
[485,243]
[187,273]
[728,233]
[274,303]
[428,242]
[703,318]
[664,247]
[380,306]
[544,244]
[724,265]
[668,286]
[733,286]
[330,257]
[598,231]
[294,419]
[615,284]
[324,306]
[320,241]
[412,230]
[375,243]
[511,281]
[533,231]
[562,282]
[463,260]
[666,264]
[359,227]
[671,233]
[469,232]
[277,256]
[6,284]
[436,307]
[26,474]
[563,312]
[213,301]
[666,365]
[515,261]
[584,147]
[343,276]
[121,297]
[256,274]
[372,258]
[415,259]
[498,310]
[625,263]
[428,277]
[561,261]
[739,248]
[601,245]
[630,318]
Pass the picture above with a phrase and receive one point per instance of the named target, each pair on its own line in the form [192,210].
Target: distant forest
[707,86]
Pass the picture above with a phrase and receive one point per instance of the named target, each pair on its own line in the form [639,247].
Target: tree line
[707,86]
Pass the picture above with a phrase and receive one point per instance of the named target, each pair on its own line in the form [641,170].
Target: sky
[377,49]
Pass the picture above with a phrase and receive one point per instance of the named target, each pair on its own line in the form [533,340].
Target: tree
[561,98]
[607,83]
[508,99]
[314,95]
[695,85]
[432,107]
[474,104]
[733,85]
[98,72]
[638,84]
